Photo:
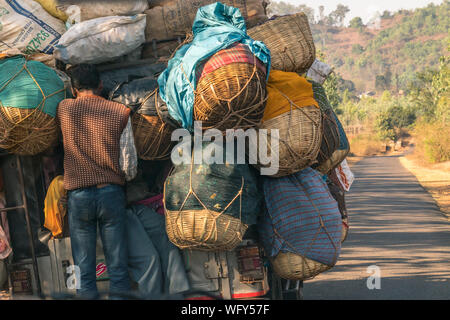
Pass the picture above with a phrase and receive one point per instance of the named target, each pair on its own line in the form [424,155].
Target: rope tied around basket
[242,113]
[299,158]
[42,125]
[322,226]
[213,214]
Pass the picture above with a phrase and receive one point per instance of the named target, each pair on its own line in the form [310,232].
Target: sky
[366,9]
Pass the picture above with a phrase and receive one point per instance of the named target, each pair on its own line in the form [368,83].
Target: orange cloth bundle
[287,84]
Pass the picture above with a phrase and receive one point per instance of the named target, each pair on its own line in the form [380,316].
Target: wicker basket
[290,42]
[292,266]
[152,137]
[26,132]
[204,230]
[336,158]
[231,97]
[330,143]
[300,132]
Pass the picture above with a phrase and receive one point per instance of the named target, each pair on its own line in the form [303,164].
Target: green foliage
[356,23]
[357,49]
[391,122]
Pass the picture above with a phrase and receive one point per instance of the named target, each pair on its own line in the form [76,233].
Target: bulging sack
[29,96]
[175,18]
[301,227]
[26,26]
[210,205]
[82,10]
[101,39]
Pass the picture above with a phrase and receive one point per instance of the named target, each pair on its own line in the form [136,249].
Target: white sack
[345,175]
[101,39]
[319,71]
[26,26]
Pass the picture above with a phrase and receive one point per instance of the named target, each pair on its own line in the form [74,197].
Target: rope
[42,125]
[240,115]
[213,214]
[321,227]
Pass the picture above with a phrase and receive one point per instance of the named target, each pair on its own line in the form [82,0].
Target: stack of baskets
[29,94]
[309,136]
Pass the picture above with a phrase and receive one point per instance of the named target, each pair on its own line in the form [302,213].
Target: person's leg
[172,264]
[112,222]
[83,234]
[143,259]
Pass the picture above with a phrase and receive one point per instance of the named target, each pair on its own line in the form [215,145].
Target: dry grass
[366,144]
[435,178]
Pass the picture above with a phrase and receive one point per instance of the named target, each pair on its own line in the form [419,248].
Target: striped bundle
[301,228]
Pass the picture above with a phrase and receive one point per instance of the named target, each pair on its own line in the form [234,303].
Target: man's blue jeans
[105,206]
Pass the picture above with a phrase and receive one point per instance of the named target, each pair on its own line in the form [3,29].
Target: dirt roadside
[433,178]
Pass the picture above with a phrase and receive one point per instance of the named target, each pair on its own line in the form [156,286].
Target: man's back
[91,128]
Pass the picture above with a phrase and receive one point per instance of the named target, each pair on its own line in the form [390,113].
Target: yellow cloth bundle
[54,210]
[284,86]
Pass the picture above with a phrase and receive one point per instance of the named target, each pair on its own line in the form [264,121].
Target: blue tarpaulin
[215,27]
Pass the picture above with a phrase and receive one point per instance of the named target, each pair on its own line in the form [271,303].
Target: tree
[337,16]
[356,23]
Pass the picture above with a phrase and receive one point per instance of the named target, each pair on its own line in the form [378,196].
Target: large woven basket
[292,266]
[152,137]
[27,132]
[290,41]
[300,131]
[231,97]
[204,230]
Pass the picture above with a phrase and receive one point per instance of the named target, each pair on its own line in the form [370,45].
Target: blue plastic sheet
[216,27]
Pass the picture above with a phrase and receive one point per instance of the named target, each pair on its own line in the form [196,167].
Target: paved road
[395,225]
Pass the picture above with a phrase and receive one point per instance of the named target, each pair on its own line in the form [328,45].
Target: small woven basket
[300,131]
[331,163]
[231,97]
[292,266]
[27,132]
[204,230]
[290,41]
[152,137]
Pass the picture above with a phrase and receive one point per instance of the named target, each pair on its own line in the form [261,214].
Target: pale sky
[365,9]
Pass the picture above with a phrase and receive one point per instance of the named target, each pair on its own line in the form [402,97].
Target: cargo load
[82,10]
[26,26]
[292,109]
[302,226]
[334,146]
[216,27]
[29,96]
[210,206]
[289,40]
[101,39]
[175,18]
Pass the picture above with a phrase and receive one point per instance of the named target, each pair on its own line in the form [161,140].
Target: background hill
[386,53]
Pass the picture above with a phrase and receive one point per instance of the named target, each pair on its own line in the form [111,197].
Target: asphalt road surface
[396,226]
